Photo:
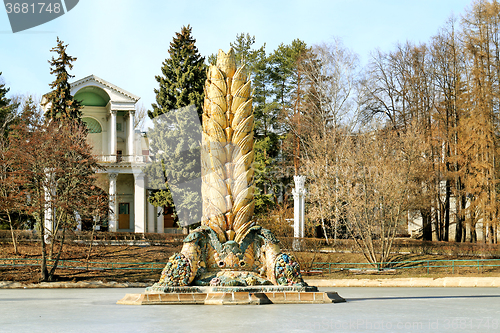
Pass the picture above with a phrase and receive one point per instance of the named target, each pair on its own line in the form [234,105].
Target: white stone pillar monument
[131,133]
[112,222]
[299,193]
[139,202]
[112,136]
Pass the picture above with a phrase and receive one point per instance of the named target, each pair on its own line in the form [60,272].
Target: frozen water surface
[366,310]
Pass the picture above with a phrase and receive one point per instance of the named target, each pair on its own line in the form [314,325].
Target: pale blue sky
[126,41]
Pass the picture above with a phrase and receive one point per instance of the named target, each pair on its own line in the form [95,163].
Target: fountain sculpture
[229,259]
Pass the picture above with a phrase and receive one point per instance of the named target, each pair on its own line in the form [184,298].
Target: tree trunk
[467,232]
[12,233]
[446,232]
[473,234]
[490,234]
[51,247]
[91,243]
[426,224]
[460,226]
[464,225]
[435,230]
[495,234]
[458,229]
[44,273]
[484,227]
[324,230]
[56,261]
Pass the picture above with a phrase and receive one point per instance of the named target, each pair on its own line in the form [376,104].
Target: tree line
[317,110]
[411,135]
[435,103]
[442,97]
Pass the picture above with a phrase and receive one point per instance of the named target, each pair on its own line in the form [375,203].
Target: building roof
[105,83]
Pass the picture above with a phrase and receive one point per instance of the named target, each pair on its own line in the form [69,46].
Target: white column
[298,207]
[112,136]
[112,222]
[159,220]
[131,133]
[151,217]
[139,203]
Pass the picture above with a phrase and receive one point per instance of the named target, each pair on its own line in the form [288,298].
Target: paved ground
[366,310]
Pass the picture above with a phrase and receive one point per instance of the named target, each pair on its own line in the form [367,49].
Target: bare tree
[376,183]
[332,75]
[141,115]
[448,70]
[479,126]
[53,156]
[11,191]
[322,166]
[327,117]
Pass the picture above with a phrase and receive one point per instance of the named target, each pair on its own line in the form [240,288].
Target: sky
[125,41]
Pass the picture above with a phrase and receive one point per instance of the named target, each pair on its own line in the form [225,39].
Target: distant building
[109,113]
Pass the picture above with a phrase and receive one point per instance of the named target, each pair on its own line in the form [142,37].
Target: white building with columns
[109,113]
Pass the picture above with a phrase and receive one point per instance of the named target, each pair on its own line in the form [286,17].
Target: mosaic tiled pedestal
[256,295]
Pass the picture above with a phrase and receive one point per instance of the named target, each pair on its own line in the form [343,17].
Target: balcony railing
[123,159]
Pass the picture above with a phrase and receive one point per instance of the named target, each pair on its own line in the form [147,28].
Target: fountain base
[255,295]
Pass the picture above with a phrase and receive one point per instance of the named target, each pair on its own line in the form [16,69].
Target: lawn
[95,263]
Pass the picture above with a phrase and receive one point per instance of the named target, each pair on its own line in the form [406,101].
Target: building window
[92,125]
[119,127]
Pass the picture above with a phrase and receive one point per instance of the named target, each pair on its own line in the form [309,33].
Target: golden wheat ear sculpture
[227,154]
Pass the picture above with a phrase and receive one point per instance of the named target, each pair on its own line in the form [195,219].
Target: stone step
[232,298]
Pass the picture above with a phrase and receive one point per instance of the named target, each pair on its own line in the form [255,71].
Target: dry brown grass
[100,254]
[314,251]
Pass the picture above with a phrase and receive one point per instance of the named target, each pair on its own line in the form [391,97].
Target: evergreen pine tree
[244,53]
[284,71]
[184,75]
[7,108]
[288,91]
[62,103]
[267,141]
[176,160]
[4,101]
[175,171]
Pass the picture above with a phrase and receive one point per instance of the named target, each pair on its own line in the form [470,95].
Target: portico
[109,113]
